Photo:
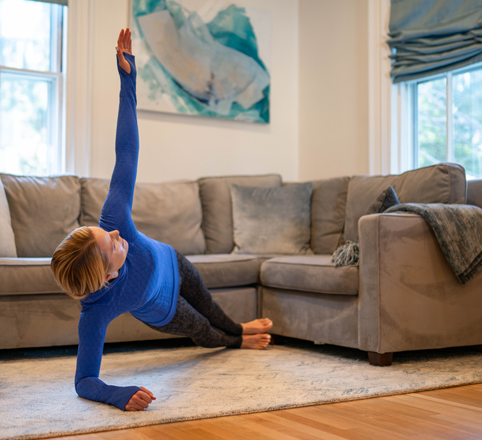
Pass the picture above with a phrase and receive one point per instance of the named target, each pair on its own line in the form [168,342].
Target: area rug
[38,399]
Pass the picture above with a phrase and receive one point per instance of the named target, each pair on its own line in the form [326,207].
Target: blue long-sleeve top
[148,282]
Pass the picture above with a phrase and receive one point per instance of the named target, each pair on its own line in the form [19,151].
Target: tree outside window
[448,117]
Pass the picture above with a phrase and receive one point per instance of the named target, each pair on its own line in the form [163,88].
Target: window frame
[57,88]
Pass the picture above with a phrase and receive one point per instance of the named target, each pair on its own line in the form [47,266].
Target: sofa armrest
[409,297]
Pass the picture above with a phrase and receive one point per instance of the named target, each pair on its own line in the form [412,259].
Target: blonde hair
[79,265]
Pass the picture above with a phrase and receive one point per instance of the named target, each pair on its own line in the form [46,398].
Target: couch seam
[307,290]
[221,262]
[238,175]
[303,264]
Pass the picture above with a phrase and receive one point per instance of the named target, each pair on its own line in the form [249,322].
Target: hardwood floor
[452,413]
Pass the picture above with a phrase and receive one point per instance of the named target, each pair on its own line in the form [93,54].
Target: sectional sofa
[403,296]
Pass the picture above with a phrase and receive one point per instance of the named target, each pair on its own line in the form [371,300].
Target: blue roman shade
[433,36]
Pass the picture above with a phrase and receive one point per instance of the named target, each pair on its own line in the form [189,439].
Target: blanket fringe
[346,255]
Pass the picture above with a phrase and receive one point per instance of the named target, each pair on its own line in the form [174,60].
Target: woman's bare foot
[257,326]
[256,342]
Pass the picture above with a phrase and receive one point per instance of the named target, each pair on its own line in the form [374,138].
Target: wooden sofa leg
[276,340]
[380,359]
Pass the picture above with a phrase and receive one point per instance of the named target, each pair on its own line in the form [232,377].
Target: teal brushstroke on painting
[142,7]
[231,28]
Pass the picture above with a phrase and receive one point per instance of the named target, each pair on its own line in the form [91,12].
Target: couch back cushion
[474,192]
[328,209]
[217,209]
[441,183]
[44,210]
[272,220]
[167,212]
[7,237]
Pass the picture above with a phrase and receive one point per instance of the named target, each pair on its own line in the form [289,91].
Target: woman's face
[114,247]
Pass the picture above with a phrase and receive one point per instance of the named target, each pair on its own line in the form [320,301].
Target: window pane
[432,122]
[25,34]
[468,122]
[24,130]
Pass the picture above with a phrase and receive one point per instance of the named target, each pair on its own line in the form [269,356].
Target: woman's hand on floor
[140,400]
[124,44]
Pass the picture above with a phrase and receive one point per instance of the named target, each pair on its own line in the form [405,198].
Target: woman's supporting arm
[116,212]
[92,330]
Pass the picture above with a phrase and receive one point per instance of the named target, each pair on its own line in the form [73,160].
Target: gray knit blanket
[458,229]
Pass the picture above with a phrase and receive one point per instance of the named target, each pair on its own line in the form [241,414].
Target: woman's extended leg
[187,321]
[197,294]
[203,318]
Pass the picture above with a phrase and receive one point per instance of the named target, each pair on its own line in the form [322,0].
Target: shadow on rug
[38,399]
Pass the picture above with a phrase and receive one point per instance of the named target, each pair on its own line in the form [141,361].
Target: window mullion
[415,146]
[450,120]
[30,73]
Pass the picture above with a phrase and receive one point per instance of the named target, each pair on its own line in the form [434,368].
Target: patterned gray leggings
[197,315]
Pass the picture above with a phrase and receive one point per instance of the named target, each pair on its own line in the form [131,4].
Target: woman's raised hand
[124,44]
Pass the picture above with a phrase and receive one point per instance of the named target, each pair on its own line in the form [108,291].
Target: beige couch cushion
[474,192]
[272,220]
[7,238]
[441,183]
[328,209]
[27,276]
[31,276]
[44,210]
[226,270]
[217,211]
[314,273]
[167,212]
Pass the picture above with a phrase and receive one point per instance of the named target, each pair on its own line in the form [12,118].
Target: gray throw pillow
[272,220]
[216,202]
[7,238]
[386,199]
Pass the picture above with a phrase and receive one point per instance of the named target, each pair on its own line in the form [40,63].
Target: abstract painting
[202,58]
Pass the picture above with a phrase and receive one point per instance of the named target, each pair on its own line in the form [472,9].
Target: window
[447,120]
[32,82]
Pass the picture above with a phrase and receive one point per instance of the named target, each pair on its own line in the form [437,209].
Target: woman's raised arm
[116,212]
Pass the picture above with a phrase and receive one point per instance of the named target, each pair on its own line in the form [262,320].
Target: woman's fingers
[120,40]
[139,401]
[148,392]
[126,37]
[133,405]
[127,40]
[142,399]
[136,404]
[124,42]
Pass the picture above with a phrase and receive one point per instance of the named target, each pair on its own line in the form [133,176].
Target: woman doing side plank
[114,269]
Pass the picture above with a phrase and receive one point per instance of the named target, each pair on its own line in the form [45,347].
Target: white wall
[333,92]
[178,146]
